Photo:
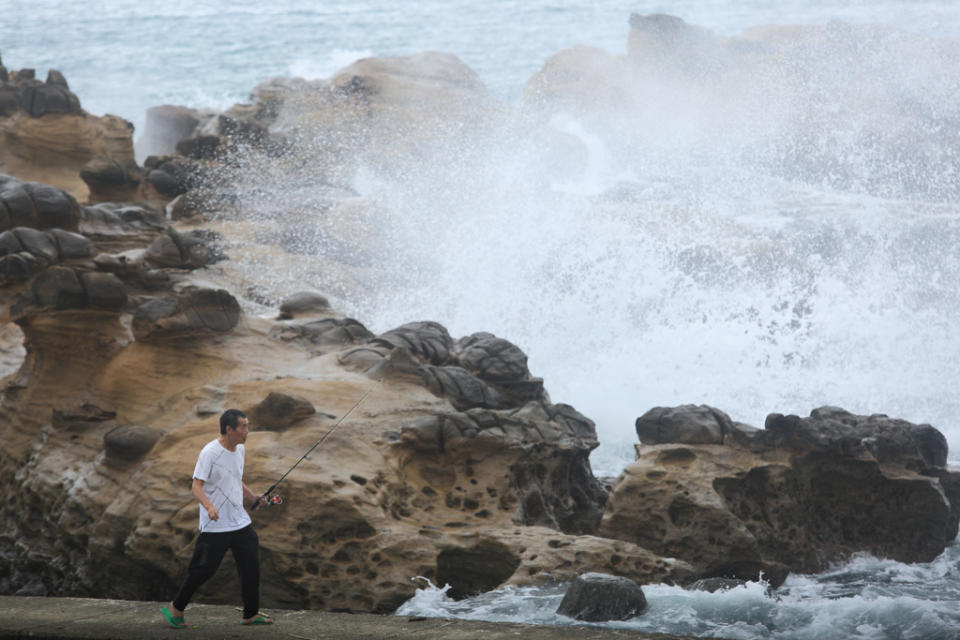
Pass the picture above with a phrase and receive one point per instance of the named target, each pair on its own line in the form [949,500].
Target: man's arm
[248,494]
[204,501]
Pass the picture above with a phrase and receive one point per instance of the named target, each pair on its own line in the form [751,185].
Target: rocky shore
[128,324]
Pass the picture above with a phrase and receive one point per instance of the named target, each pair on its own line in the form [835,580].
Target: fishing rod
[266,498]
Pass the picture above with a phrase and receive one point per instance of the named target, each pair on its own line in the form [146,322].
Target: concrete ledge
[75,618]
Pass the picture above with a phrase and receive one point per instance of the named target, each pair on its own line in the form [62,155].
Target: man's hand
[213,513]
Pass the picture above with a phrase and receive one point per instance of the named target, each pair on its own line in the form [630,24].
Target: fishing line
[266,498]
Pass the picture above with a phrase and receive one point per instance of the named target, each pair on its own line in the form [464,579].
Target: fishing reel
[269,501]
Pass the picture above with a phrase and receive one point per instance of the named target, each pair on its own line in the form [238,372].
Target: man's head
[232,419]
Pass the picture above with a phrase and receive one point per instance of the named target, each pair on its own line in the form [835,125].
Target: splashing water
[866,599]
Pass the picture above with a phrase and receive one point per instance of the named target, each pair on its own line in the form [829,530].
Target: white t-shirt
[222,473]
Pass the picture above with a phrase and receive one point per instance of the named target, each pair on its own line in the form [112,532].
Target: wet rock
[58,288]
[280,410]
[109,179]
[40,99]
[193,312]
[189,250]
[103,291]
[459,385]
[800,495]
[687,424]
[837,431]
[303,302]
[35,205]
[323,335]
[170,175]
[429,341]
[598,597]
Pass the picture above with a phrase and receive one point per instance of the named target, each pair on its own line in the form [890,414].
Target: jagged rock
[428,341]
[804,494]
[108,221]
[303,302]
[598,597]
[193,312]
[130,443]
[280,410]
[459,385]
[837,431]
[500,363]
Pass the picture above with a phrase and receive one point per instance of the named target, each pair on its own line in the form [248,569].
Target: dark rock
[428,341]
[597,597]
[839,432]
[110,179]
[280,410]
[477,569]
[9,97]
[687,424]
[303,302]
[202,147]
[193,312]
[20,266]
[72,246]
[39,243]
[130,442]
[461,387]
[82,417]
[39,99]
[59,288]
[190,250]
[712,585]
[103,291]
[492,358]
[54,77]
[31,204]
[34,588]
[170,176]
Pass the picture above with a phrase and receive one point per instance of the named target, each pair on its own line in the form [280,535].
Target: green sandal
[177,622]
[260,619]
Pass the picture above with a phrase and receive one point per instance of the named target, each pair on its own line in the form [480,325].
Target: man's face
[239,435]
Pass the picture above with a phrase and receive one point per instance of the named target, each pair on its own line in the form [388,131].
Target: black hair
[230,418]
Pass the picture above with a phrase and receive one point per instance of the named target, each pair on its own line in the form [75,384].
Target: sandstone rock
[598,597]
[280,410]
[321,336]
[802,495]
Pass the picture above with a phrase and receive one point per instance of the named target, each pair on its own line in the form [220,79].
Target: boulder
[598,597]
[58,288]
[303,303]
[687,424]
[40,206]
[189,250]
[193,312]
[130,443]
[279,410]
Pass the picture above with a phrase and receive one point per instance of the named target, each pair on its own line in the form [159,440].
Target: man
[224,524]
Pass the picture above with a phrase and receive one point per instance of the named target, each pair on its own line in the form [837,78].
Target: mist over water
[753,246]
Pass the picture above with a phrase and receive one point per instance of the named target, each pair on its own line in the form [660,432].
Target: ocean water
[683,263]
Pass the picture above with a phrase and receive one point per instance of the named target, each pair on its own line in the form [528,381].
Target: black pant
[207,555]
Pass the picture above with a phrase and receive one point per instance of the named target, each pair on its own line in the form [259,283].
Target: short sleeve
[204,465]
